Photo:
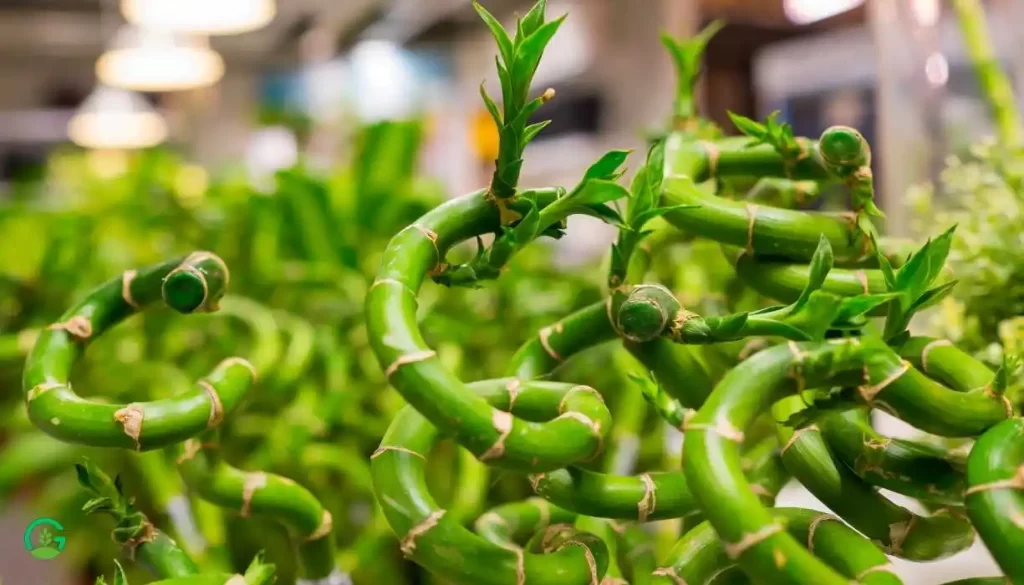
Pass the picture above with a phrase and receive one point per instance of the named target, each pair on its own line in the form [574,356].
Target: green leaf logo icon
[43,540]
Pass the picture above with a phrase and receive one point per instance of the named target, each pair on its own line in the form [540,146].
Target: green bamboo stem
[898,531]
[942,361]
[427,534]
[995,494]
[166,490]
[555,343]
[701,557]
[414,370]
[995,84]
[264,494]
[513,524]
[713,470]
[921,471]
[757,229]
[194,283]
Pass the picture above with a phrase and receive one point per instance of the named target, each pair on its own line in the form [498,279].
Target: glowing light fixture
[808,11]
[116,119]
[206,17]
[156,60]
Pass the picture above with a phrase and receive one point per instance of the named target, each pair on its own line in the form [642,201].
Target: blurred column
[898,125]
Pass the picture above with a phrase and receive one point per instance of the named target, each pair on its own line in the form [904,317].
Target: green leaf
[933,296]
[498,31]
[533,130]
[821,264]
[607,167]
[912,279]
[851,307]
[96,505]
[119,576]
[529,54]
[534,18]
[596,191]
[650,214]
[883,264]
[1009,370]
[748,126]
[675,50]
[728,326]
[527,229]
[899,339]
[604,213]
[82,472]
[506,84]
[491,106]
[938,253]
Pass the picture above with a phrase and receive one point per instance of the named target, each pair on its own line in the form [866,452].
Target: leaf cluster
[591,196]
[643,206]
[517,61]
[109,499]
[913,284]
[687,55]
[773,133]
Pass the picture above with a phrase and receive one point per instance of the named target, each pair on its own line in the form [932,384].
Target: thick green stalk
[995,494]
[701,557]
[194,283]
[447,549]
[925,472]
[264,494]
[414,370]
[899,531]
[713,470]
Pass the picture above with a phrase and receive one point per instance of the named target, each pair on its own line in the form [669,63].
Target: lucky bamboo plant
[796,404]
[306,251]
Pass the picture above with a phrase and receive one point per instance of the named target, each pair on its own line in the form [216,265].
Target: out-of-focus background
[294,78]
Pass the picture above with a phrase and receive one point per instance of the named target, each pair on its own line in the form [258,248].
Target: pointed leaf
[506,85]
[596,191]
[498,31]
[821,264]
[933,296]
[491,106]
[883,264]
[95,505]
[83,477]
[938,253]
[527,228]
[119,576]
[607,166]
[747,126]
[604,213]
[533,130]
[534,18]
[852,307]
[529,54]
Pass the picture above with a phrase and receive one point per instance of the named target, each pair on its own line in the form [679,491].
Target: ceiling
[79,29]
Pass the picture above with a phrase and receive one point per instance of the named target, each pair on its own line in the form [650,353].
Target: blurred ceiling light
[207,17]
[926,12]
[269,150]
[149,60]
[385,80]
[809,11]
[936,69]
[118,120]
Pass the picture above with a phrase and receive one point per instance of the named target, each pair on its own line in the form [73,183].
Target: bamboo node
[408,545]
